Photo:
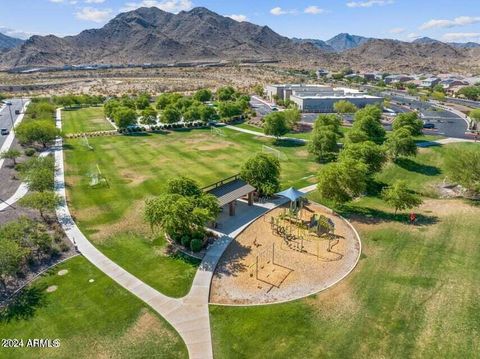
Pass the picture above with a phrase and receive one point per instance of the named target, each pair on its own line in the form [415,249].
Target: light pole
[9,105]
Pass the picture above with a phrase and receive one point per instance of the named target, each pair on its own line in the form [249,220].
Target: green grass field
[138,167]
[414,293]
[91,320]
[88,119]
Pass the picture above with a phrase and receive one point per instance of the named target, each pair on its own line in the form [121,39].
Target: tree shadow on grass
[137,134]
[369,215]
[412,166]
[24,305]
[288,143]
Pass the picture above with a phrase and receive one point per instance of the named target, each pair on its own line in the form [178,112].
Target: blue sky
[448,20]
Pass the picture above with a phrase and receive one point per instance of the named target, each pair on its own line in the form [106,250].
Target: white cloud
[461,36]
[239,17]
[397,30]
[369,3]
[413,36]
[444,23]
[173,6]
[314,10]
[19,34]
[56,1]
[94,1]
[277,11]
[95,15]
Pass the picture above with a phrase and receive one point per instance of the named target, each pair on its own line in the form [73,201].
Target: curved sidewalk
[189,315]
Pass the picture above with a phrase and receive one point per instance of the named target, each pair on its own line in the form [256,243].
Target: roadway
[5,120]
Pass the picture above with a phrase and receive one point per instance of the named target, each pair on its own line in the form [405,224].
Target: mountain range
[150,35]
[7,42]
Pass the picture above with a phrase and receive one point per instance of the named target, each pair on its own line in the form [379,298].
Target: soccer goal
[217,131]
[272,151]
[97,178]
[86,143]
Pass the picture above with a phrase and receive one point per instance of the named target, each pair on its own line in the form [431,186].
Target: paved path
[188,315]
[261,134]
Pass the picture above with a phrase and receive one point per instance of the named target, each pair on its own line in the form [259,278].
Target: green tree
[178,215]
[40,131]
[400,197]
[11,259]
[203,95]
[226,93]
[356,136]
[401,143]
[167,99]
[110,106]
[142,101]
[11,154]
[208,114]
[275,124]
[38,173]
[44,202]
[470,92]
[170,115]
[341,182]
[229,109]
[475,116]
[373,155]
[410,121]
[438,96]
[344,106]
[259,90]
[149,116]
[329,122]
[124,117]
[323,144]
[194,113]
[292,116]
[463,166]
[262,171]
[183,186]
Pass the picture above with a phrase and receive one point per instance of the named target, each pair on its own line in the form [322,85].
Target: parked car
[17,112]
[429,126]
[4,131]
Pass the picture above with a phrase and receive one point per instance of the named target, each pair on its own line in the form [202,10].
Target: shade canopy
[292,194]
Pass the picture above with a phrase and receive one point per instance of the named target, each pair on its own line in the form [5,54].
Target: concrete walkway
[188,315]
[255,133]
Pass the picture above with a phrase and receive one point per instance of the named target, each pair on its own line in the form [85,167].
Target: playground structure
[268,264]
[266,270]
[306,235]
[276,153]
[215,131]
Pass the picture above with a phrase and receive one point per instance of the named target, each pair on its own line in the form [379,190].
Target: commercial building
[316,98]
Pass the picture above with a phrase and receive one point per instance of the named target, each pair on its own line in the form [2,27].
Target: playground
[288,253]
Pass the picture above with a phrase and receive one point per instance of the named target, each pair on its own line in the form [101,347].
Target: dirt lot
[284,272]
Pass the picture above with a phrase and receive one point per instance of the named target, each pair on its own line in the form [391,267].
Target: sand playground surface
[261,267]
